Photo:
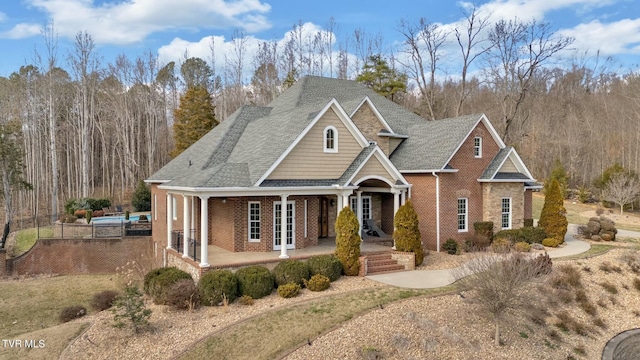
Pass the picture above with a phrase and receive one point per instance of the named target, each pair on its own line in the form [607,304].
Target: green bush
[528,222]
[245,300]
[522,246]
[450,246]
[183,294]
[214,284]
[103,300]
[348,241]
[130,307]
[407,233]
[288,290]
[255,281]
[484,228]
[291,271]
[476,242]
[98,203]
[72,312]
[527,234]
[501,245]
[158,286]
[317,283]
[327,265]
[550,242]
[150,277]
[86,204]
[88,215]
[141,198]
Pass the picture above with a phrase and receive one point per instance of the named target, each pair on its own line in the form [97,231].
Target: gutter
[437,211]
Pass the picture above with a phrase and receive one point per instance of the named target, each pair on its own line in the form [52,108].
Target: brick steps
[382,263]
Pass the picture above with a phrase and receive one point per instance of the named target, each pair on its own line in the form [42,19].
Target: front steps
[381,263]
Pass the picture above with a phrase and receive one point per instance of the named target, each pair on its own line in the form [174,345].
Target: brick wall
[423,196]
[80,256]
[493,194]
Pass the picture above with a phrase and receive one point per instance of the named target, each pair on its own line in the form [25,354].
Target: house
[274,178]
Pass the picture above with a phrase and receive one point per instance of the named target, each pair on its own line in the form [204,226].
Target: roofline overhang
[505,180]
[257,190]
[533,187]
[393,135]
[419,171]
[156,181]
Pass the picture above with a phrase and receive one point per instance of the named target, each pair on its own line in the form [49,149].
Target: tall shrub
[141,198]
[553,216]
[407,233]
[348,241]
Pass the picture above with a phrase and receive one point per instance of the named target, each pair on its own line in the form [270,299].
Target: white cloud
[22,31]
[3,17]
[534,9]
[131,21]
[619,37]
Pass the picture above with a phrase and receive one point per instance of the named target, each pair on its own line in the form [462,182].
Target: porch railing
[193,245]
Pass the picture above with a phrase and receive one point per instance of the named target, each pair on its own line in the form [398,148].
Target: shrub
[348,241]
[476,242]
[550,242]
[599,211]
[158,285]
[103,300]
[501,245]
[98,213]
[527,234]
[522,246]
[543,263]
[245,300]
[80,213]
[130,307]
[609,287]
[450,246]
[553,216]
[98,204]
[68,219]
[183,294]
[407,232]
[568,276]
[214,284]
[317,283]
[484,228]
[528,222]
[72,312]
[327,265]
[70,206]
[150,276]
[291,271]
[88,215]
[141,198]
[255,281]
[288,290]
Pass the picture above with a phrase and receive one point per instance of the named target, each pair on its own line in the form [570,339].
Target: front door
[324,217]
[291,221]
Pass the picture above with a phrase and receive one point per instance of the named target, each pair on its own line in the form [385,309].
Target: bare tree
[622,189]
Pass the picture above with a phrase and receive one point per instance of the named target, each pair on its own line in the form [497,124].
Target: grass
[294,325]
[595,250]
[25,239]
[33,304]
[55,341]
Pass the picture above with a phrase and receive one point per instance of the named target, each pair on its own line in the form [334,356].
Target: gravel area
[443,327]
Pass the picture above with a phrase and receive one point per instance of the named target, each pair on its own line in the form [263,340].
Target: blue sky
[169,27]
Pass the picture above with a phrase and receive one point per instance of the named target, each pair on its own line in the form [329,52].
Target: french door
[291,225]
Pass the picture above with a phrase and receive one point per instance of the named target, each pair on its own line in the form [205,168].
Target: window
[254,221]
[330,139]
[506,213]
[477,147]
[174,202]
[277,220]
[462,214]
[155,206]
[366,208]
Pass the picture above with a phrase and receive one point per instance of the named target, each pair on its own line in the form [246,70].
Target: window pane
[462,214]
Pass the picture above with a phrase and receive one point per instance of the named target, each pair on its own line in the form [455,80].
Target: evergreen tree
[141,198]
[348,241]
[194,118]
[553,216]
[378,76]
[406,233]
[560,174]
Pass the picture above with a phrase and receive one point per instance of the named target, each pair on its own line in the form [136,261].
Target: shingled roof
[239,151]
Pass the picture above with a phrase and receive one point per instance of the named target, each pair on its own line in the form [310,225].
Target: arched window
[330,139]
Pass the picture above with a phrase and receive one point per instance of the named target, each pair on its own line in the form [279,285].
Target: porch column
[204,231]
[193,213]
[359,210]
[403,198]
[339,204]
[169,219]
[186,225]
[396,206]
[283,227]
[345,201]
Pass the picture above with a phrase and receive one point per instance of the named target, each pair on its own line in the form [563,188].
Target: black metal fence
[193,245]
[94,230]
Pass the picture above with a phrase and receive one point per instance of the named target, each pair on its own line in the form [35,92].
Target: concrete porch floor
[221,258]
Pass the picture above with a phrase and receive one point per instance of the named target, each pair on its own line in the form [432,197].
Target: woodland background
[92,128]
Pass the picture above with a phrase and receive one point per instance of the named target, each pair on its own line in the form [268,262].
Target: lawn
[25,239]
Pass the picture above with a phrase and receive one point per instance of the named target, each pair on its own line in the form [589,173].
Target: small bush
[288,290]
[68,219]
[527,234]
[80,213]
[72,312]
[599,323]
[291,271]
[88,215]
[245,300]
[484,228]
[476,242]
[543,263]
[317,283]
[183,294]
[501,245]
[609,287]
[450,246]
[551,242]
[103,300]
[522,246]
[214,284]
[255,281]
[327,265]
[98,213]
[130,307]
[588,307]
[607,267]
[599,211]
[157,282]
[528,222]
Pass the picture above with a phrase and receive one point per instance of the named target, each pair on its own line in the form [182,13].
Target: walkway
[428,279]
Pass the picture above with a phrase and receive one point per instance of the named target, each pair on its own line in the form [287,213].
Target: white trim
[517,162]
[465,214]
[505,180]
[510,213]
[292,246]
[375,112]
[156,181]
[342,115]
[478,147]
[419,171]
[386,163]
[306,212]
[334,149]
[437,211]
[174,207]
[363,197]
[261,191]
[492,132]
[249,221]
[155,207]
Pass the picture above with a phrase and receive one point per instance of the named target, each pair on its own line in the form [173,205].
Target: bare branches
[622,189]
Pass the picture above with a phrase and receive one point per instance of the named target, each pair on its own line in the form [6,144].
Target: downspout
[437,210]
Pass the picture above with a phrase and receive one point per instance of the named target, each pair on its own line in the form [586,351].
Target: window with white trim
[366,208]
[254,221]
[174,207]
[477,147]
[155,206]
[330,139]
[505,222]
[463,214]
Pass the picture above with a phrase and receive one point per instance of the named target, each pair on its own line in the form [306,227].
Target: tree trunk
[497,336]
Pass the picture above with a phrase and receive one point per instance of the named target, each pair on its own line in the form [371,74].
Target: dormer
[374,127]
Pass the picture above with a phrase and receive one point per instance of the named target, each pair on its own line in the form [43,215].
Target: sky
[170,28]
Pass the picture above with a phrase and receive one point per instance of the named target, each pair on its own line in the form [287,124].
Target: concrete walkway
[428,279]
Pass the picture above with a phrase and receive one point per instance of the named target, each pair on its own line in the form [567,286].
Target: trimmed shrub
[245,300]
[291,271]
[348,241]
[150,277]
[98,213]
[550,242]
[214,284]
[98,204]
[80,213]
[141,198]
[527,234]
[450,246]
[158,285]
[407,232]
[327,265]
[553,216]
[88,215]
[317,283]
[501,245]
[484,228]
[255,281]
[103,300]
[68,219]
[288,290]
[183,294]
[522,246]
[72,312]
[528,222]
[476,242]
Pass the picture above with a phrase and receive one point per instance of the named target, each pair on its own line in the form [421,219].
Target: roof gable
[506,166]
